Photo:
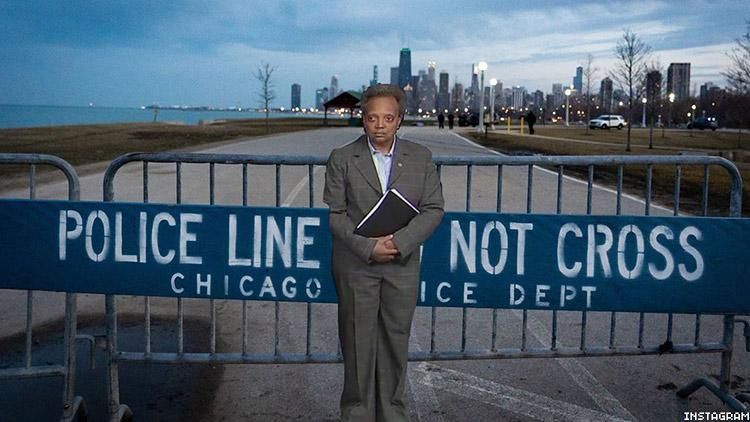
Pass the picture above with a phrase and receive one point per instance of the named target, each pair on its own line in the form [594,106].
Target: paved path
[523,389]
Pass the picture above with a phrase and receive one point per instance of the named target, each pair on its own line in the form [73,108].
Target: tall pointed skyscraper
[333,91]
[404,67]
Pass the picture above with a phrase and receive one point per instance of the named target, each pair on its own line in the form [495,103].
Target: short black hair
[384,90]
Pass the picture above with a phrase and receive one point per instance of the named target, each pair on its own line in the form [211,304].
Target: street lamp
[567,106]
[692,120]
[671,101]
[482,66]
[493,82]
[644,100]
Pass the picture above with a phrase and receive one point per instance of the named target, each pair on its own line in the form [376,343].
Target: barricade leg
[117,412]
[722,390]
[73,406]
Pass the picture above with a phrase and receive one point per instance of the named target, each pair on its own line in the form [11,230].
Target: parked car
[607,121]
[703,123]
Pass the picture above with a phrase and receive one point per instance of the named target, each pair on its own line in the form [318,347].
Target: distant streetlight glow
[493,82]
[644,101]
[567,106]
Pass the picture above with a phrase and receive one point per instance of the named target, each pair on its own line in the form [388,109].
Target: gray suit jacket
[352,188]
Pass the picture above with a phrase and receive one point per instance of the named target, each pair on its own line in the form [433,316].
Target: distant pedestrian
[441,121]
[531,119]
[451,117]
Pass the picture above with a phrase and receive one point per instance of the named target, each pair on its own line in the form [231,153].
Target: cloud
[204,52]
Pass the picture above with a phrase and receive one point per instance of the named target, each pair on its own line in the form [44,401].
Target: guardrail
[532,166]
[72,406]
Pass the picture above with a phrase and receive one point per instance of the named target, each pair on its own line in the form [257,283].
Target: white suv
[607,121]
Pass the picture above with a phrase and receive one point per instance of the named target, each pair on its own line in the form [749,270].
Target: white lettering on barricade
[598,251]
[243,280]
[521,294]
[653,240]
[541,294]
[468,291]
[521,228]
[233,260]
[119,255]
[625,272]
[303,241]
[517,295]
[64,234]
[258,244]
[573,271]
[688,232]
[308,288]
[269,289]
[158,257]
[601,250]
[283,242]
[275,239]
[468,247]
[102,254]
[188,237]
[286,290]
[199,283]
[175,277]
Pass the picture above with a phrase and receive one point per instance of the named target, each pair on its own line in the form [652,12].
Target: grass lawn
[612,142]
[87,144]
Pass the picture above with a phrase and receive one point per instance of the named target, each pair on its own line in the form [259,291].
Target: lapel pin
[400,164]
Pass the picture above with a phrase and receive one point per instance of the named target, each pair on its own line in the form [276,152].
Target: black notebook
[392,212]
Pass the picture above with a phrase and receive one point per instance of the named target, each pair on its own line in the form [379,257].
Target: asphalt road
[617,388]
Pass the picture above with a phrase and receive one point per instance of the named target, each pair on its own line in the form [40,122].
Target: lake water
[14,116]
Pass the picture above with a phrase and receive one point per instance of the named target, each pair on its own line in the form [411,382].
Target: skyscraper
[519,97]
[653,87]
[558,95]
[394,75]
[444,98]
[404,67]
[578,79]
[538,100]
[705,88]
[334,89]
[457,97]
[431,70]
[321,96]
[427,94]
[296,94]
[499,100]
[605,95]
[474,90]
[678,80]
[374,80]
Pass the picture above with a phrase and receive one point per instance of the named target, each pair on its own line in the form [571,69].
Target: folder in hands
[392,212]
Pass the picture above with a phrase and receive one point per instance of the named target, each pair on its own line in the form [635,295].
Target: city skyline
[195,53]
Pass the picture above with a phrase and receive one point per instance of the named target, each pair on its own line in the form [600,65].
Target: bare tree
[738,74]
[631,54]
[265,93]
[589,73]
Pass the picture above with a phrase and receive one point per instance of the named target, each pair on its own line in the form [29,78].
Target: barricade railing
[524,167]
[72,406]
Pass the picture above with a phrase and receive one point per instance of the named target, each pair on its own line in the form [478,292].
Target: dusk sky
[140,52]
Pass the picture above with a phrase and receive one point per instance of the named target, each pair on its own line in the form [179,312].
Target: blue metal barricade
[72,406]
[552,346]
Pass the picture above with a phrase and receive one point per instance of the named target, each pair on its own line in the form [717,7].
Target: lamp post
[692,119]
[493,82]
[482,66]
[644,100]
[567,106]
